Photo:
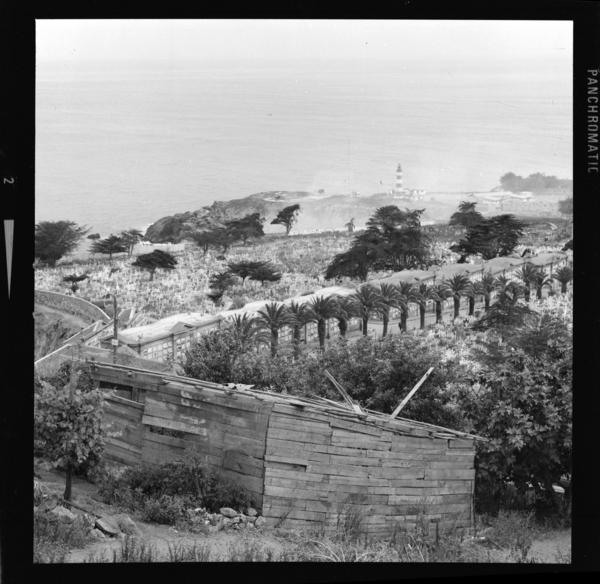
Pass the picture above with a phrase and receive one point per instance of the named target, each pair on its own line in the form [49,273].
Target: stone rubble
[119,525]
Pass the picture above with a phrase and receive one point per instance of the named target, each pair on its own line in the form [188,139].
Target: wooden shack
[309,463]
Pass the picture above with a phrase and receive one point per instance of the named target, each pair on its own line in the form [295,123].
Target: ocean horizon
[121,144]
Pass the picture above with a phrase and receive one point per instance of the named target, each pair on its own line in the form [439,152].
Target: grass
[508,539]
[52,540]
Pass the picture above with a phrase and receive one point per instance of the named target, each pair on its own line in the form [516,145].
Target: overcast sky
[83,40]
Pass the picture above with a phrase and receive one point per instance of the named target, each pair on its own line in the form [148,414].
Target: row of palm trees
[369,300]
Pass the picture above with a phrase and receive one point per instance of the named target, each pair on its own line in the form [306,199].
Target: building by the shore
[401,192]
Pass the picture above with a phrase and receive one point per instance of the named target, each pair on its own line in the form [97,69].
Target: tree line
[55,239]
[369,301]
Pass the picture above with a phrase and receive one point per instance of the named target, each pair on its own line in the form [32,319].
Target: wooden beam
[345,395]
[410,394]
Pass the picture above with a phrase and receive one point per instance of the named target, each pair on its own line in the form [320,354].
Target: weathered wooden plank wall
[227,431]
[321,469]
[306,467]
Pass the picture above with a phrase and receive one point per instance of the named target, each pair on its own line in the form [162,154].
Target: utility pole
[115,340]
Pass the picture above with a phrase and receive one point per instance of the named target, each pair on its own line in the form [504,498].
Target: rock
[235,520]
[226,522]
[228,512]
[243,518]
[108,525]
[251,512]
[260,521]
[98,534]
[251,520]
[63,514]
[127,525]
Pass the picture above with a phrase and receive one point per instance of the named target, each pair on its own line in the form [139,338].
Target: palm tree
[564,275]
[541,281]
[273,317]
[346,310]
[389,297]
[406,293]
[247,331]
[324,308]
[508,290]
[420,296]
[485,287]
[470,294]
[459,285]
[527,274]
[367,302]
[301,315]
[438,293]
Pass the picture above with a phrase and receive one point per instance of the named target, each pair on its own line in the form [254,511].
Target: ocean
[121,144]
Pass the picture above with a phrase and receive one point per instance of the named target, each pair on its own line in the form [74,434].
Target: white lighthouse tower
[399,188]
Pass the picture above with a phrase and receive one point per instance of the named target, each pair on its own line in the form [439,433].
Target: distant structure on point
[400,192]
[399,186]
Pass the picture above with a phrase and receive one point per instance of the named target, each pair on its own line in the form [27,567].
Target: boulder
[228,512]
[251,512]
[226,522]
[63,514]
[108,525]
[98,534]
[260,521]
[127,525]
[251,519]
[235,520]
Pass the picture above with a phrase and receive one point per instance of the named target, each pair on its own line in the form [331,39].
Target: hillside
[320,212]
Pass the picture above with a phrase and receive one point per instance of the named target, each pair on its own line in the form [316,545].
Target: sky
[147,40]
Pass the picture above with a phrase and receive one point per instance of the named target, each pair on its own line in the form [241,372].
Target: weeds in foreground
[507,539]
[250,550]
[52,540]
[195,552]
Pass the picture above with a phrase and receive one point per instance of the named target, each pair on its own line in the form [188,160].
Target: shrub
[166,509]
[162,493]
[68,425]
[522,404]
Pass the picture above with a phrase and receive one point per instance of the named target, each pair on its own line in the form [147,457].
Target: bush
[520,399]
[166,509]
[68,424]
[162,493]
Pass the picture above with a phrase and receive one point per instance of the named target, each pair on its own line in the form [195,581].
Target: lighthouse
[399,187]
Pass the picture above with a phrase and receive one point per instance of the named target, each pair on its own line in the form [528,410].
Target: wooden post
[410,394]
[343,392]
[73,380]
[115,341]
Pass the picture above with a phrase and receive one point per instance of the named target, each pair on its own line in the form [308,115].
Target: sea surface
[121,144]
